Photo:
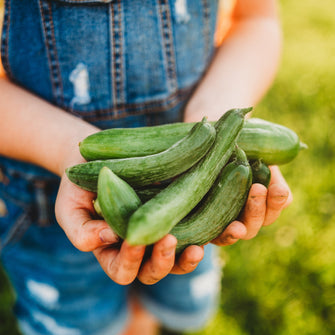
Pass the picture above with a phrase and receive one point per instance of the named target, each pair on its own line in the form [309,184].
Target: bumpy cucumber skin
[221,205]
[132,142]
[117,200]
[146,194]
[159,215]
[141,171]
[273,143]
[261,173]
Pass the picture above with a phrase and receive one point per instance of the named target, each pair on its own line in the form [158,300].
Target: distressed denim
[113,63]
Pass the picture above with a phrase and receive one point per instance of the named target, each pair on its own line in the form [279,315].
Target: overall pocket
[25,200]
[15,219]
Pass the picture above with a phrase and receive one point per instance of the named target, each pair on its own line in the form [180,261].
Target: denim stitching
[206,30]
[14,200]
[112,52]
[86,1]
[49,37]
[148,104]
[17,230]
[21,224]
[117,85]
[167,38]
[143,111]
[56,61]
[121,42]
[137,109]
[5,38]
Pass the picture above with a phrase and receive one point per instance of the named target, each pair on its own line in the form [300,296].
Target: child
[75,67]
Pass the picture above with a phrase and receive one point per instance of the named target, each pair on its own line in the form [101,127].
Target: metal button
[3,208]
[3,178]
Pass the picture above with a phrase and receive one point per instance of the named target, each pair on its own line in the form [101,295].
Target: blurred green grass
[283,281]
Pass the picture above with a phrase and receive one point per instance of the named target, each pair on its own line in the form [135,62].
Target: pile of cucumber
[187,179]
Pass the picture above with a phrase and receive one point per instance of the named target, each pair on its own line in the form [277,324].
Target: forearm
[242,70]
[35,131]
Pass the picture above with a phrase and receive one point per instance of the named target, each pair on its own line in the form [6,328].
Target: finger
[276,201]
[279,196]
[121,265]
[254,211]
[87,234]
[278,178]
[161,261]
[188,260]
[74,212]
[276,175]
[235,231]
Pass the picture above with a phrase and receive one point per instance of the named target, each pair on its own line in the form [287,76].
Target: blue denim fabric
[118,63]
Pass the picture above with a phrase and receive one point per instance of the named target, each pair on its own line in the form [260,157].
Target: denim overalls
[113,63]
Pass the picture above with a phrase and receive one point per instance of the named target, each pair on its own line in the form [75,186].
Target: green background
[283,281]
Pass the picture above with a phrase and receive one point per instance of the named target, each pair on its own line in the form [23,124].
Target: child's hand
[121,262]
[263,207]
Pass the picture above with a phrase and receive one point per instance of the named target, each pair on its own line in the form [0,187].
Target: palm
[121,262]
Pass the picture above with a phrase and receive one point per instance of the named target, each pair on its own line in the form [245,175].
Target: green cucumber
[154,219]
[141,171]
[221,205]
[273,143]
[116,201]
[261,173]
[146,194]
[132,142]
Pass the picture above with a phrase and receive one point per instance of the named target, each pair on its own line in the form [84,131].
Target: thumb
[74,213]
[87,234]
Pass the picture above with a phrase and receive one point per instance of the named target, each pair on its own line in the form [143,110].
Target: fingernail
[226,240]
[280,199]
[108,236]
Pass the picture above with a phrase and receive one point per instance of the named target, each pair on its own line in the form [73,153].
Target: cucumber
[116,201]
[132,142]
[273,143]
[154,219]
[260,173]
[221,205]
[141,171]
[146,194]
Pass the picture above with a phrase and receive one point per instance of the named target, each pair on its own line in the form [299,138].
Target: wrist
[199,107]
[205,104]
[71,153]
